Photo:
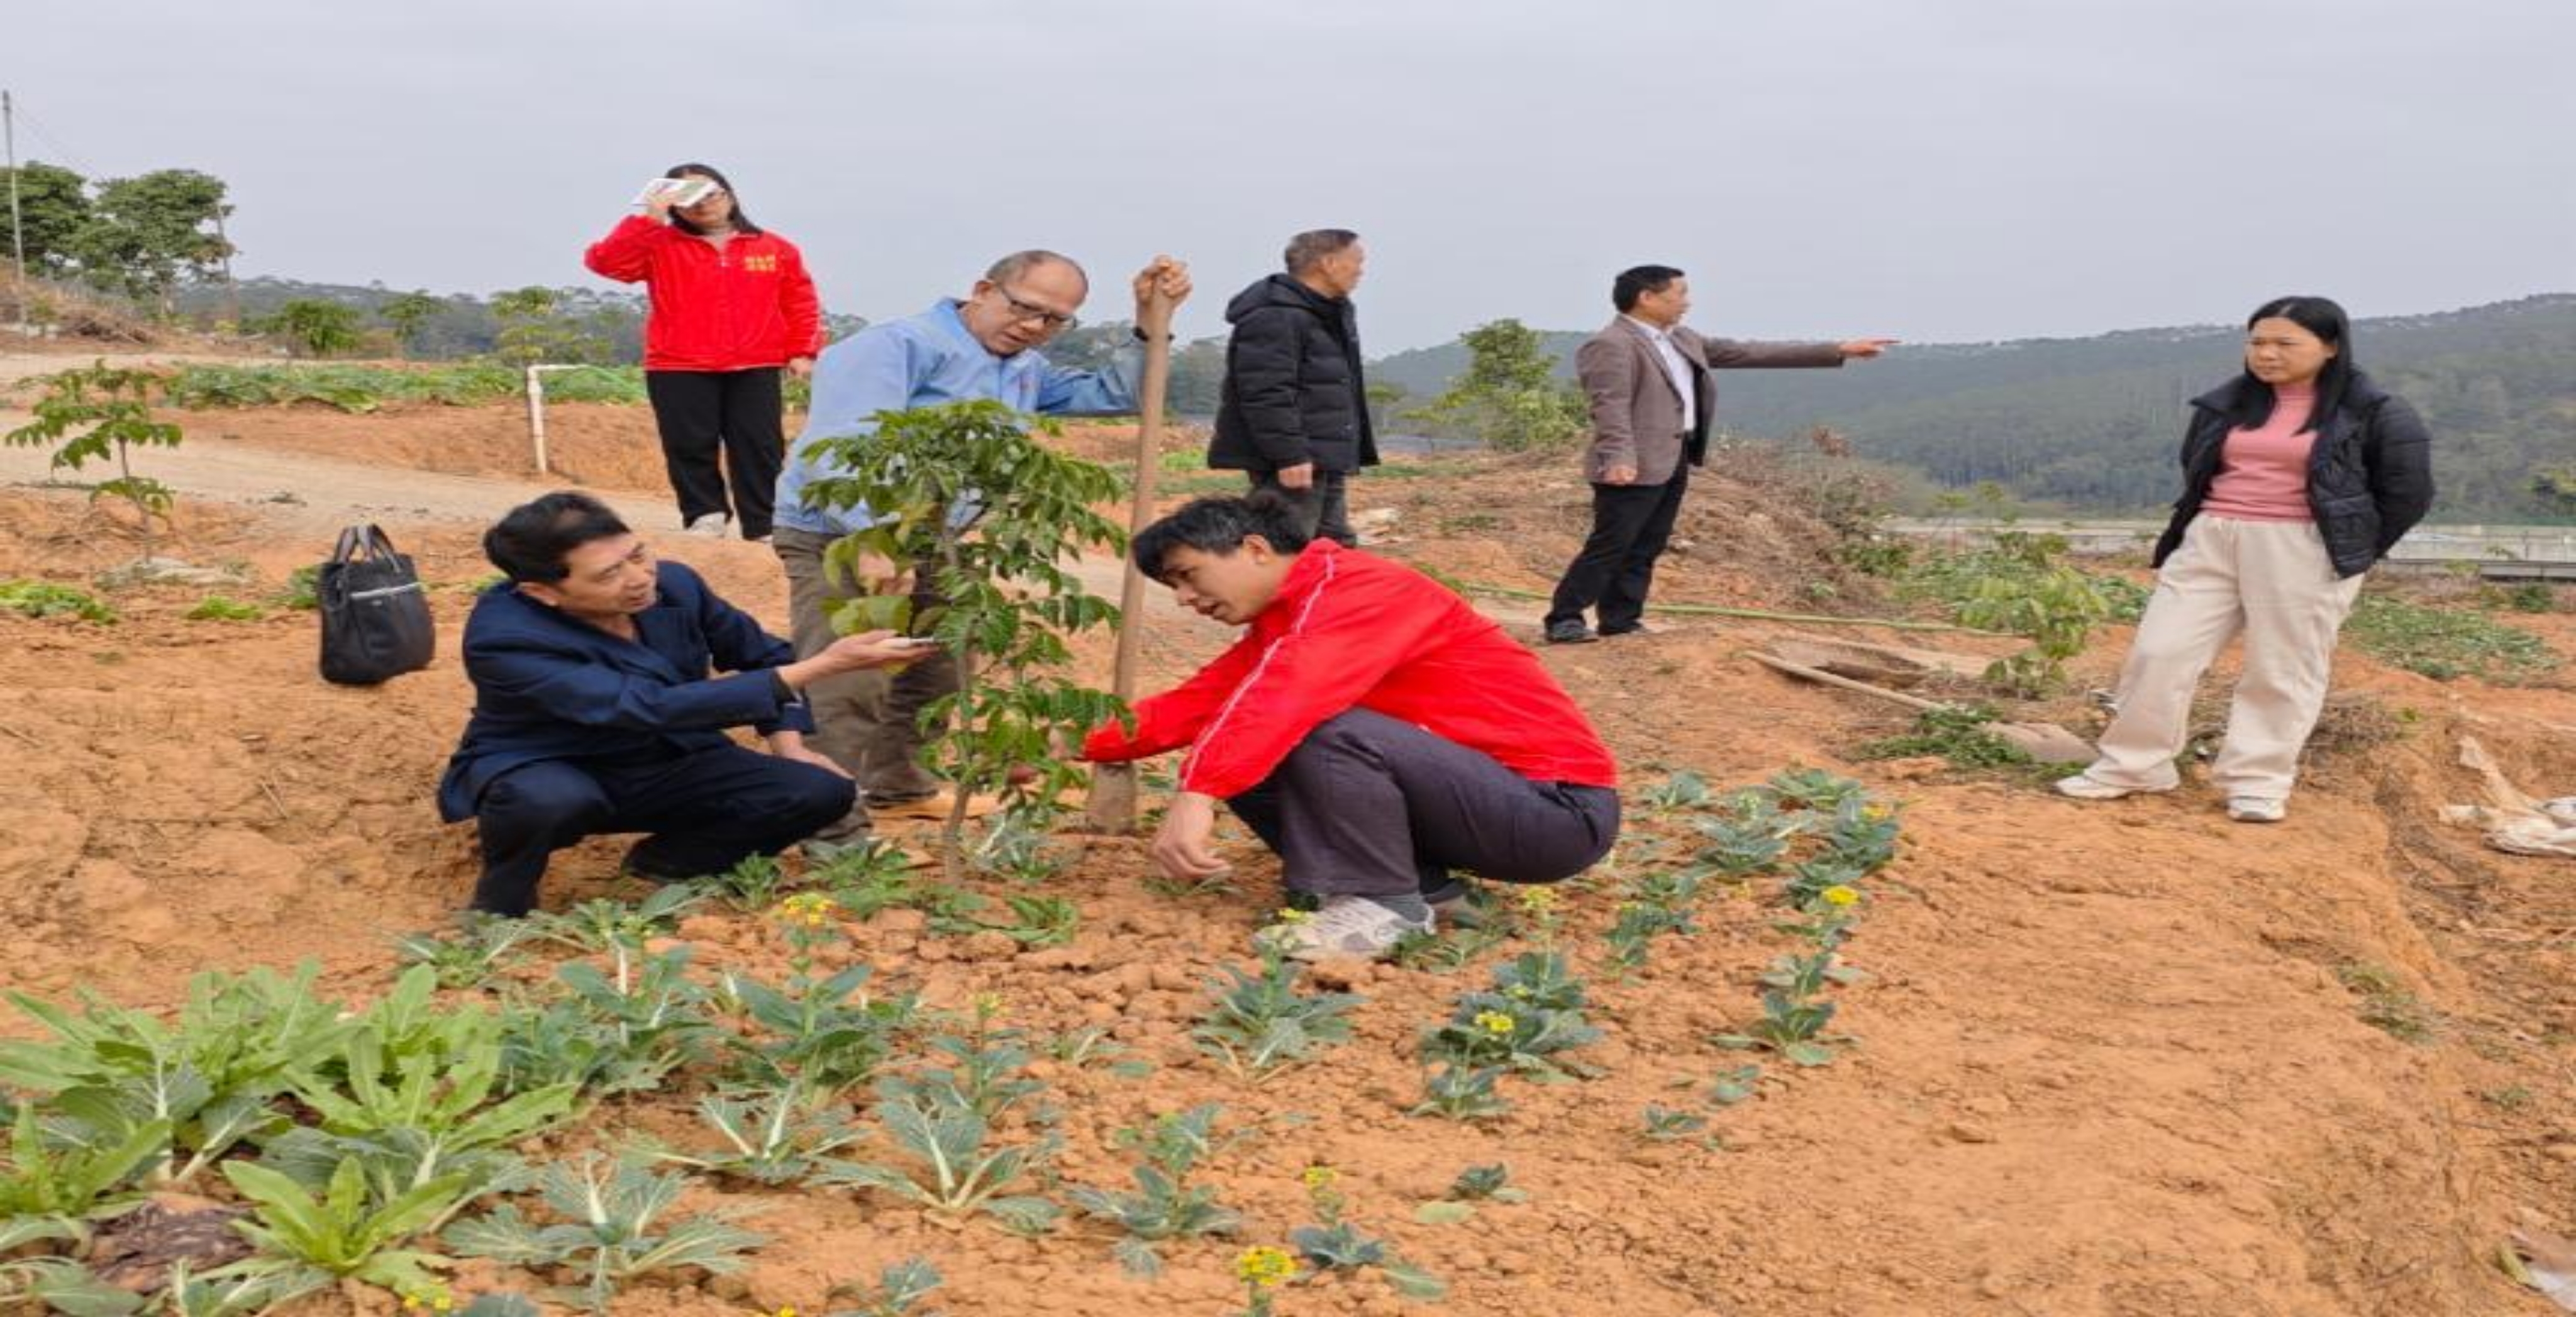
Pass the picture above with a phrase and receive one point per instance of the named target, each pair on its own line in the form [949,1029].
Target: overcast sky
[1938,170]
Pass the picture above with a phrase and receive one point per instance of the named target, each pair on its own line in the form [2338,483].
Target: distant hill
[2090,424]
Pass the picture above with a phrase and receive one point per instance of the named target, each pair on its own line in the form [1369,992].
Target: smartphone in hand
[682,192]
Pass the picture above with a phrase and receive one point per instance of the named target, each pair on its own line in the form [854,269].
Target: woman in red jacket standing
[731,306]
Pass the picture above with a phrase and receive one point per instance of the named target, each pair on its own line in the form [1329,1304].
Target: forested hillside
[2091,424]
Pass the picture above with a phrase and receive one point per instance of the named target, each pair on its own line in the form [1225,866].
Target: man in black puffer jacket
[1295,411]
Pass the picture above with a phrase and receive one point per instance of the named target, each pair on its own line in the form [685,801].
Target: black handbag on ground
[375,613]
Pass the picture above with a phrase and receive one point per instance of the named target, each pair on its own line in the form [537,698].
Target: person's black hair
[530,542]
[741,221]
[1220,525]
[1638,280]
[2319,316]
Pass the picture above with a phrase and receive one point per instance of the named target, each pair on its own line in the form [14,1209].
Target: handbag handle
[368,541]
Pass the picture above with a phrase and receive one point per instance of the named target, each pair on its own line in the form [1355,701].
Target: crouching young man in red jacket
[1372,728]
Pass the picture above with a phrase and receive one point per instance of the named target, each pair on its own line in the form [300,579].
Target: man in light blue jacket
[984,345]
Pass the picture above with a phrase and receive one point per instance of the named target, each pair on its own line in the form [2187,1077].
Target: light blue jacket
[922,361]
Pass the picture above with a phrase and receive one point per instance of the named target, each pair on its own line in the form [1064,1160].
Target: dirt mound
[597,444]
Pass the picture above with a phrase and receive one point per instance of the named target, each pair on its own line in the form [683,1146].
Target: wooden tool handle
[1846,683]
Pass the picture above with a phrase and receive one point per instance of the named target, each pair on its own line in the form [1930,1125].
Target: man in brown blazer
[1651,394]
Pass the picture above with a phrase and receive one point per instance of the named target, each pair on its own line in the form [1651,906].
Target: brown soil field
[2105,1063]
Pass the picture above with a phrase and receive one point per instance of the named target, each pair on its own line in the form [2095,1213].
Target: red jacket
[1349,630]
[742,308]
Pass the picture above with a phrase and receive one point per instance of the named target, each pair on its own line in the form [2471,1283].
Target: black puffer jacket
[2370,476]
[1293,391]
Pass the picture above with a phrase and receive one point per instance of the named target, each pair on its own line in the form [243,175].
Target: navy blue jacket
[549,687]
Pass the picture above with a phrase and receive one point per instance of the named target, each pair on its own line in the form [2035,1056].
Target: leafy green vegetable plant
[1164,1205]
[610,1230]
[344,1231]
[1461,1092]
[953,1170]
[899,1288]
[1258,1023]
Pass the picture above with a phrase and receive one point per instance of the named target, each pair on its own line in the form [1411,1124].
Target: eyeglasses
[1024,312]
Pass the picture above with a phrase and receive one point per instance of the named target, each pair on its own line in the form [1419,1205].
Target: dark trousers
[735,412]
[1325,504]
[1372,805]
[868,722]
[707,811]
[1630,526]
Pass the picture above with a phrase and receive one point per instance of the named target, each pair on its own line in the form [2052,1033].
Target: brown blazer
[1636,411]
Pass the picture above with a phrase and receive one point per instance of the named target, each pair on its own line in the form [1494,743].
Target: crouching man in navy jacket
[594,710]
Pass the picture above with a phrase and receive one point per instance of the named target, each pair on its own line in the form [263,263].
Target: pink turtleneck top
[2263,471]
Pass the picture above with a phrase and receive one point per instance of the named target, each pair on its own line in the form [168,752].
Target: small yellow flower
[1520,992]
[1321,1177]
[988,1004]
[1537,900]
[1840,895]
[1875,811]
[1496,1023]
[787,1312]
[1265,1267]
[1293,916]
[806,910]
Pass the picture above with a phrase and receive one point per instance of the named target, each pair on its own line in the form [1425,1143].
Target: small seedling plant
[898,1292]
[100,413]
[602,924]
[962,491]
[1462,1093]
[616,1030]
[1335,1244]
[610,1229]
[1851,837]
[980,1070]
[953,1168]
[1491,1183]
[779,1137]
[1164,1205]
[1528,1021]
[819,1032]
[47,599]
[1259,1024]
[470,956]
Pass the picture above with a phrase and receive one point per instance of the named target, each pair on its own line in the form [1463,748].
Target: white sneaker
[2082,787]
[1346,926]
[2257,809]
[710,524]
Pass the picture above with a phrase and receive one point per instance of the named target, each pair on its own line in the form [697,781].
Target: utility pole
[17,226]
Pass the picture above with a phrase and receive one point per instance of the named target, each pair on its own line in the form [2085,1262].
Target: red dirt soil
[2105,1062]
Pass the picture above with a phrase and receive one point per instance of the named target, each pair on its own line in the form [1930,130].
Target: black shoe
[643,863]
[1632,629]
[1569,633]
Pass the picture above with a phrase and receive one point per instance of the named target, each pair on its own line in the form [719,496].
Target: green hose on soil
[1713,610]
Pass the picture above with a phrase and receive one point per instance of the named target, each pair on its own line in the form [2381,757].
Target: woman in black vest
[2298,475]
